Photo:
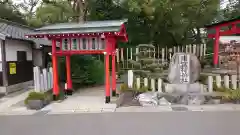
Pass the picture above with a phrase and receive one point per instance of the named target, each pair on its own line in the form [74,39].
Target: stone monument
[184,72]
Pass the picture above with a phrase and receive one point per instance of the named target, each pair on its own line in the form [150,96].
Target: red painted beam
[224,24]
[72,52]
[225,33]
[73,35]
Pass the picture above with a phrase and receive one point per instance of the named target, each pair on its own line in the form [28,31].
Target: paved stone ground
[91,100]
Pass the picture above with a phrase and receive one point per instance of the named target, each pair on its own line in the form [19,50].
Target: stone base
[68,92]
[35,104]
[107,100]
[114,93]
[56,97]
[184,88]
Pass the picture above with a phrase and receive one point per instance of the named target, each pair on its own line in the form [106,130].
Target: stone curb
[124,109]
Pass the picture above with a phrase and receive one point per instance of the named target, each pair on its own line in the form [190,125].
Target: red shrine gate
[96,37]
[232,28]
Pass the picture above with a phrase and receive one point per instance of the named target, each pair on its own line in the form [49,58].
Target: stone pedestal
[184,88]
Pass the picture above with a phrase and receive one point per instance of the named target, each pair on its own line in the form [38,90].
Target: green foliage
[203,79]
[219,89]
[8,12]
[232,95]
[124,87]
[96,71]
[37,96]
[87,70]
[147,65]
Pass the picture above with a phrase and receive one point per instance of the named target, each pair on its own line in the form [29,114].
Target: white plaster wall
[12,46]
[0,50]
[0,56]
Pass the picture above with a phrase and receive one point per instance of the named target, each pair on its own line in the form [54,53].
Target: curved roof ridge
[15,23]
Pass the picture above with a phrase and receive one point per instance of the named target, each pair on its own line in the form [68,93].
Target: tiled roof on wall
[17,31]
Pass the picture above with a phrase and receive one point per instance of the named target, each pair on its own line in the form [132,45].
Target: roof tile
[17,31]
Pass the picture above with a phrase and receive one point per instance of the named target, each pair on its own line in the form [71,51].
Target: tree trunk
[198,37]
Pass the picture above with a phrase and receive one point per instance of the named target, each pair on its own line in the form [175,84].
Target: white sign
[184,64]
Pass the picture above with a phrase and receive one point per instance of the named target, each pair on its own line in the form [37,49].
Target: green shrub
[220,89]
[232,95]
[203,79]
[124,87]
[35,96]
[86,70]
[96,72]
[47,96]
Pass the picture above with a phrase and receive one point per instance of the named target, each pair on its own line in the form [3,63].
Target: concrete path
[13,104]
[85,100]
[92,100]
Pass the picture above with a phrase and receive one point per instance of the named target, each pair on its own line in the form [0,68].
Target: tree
[10,12]
[147,65]
[177,22]
[79,8]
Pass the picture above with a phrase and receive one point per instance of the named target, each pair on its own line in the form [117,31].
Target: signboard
[83,44]
[12,68]
[184,64]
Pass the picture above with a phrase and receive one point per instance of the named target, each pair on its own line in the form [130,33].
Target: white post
[117,55]
[131,54]
[137,51]
[127,59]
[153,85]
[174,49]
[234,81]
[51,77]
[201,50]
[226,81]
[49,80]
[163,53]
[238,81]
[170,56]
[42,82]
[186,50]
[122,57]
[194,49]
[138,83]
[146,82]
[130,78]
[160,85]
[38,79]
[204,50]
[178,49]
[210,84]
[65,86]
[190,48]
[218,81]
[45,79]
[35,78]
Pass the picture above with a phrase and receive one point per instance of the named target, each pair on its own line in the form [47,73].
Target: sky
[22,1]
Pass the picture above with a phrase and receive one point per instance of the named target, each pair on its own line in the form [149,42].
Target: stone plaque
[184,68]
